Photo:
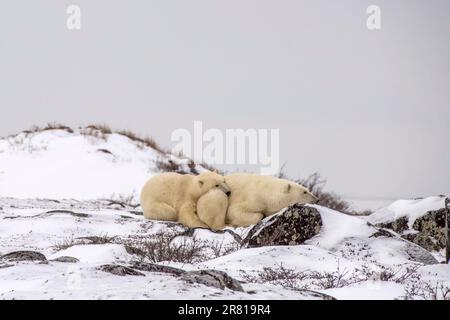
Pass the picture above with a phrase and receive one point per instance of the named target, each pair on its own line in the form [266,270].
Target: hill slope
[80,164]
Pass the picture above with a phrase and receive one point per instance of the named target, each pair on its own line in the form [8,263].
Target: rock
[120,270]
[398,225]
[24,256]
[191,233]
[429,230]
[431,227]
[151,267]
[310,294]
[382,233]
[294,226]
[66,259]
[419,254]
[212,278]
[135,212]
[5,265]
[75,214]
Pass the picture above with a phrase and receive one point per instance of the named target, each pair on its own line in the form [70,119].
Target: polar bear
[252,198]
[173,197]
[212,208]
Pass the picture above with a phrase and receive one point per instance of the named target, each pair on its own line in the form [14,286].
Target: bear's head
[295,193]
[209,180]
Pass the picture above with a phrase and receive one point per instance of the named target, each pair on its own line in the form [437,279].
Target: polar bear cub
[173,197]
[212,208]
[252,198]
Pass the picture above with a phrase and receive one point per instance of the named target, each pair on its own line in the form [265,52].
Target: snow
[338,226]
[95,254]
[411,209]
[370,290]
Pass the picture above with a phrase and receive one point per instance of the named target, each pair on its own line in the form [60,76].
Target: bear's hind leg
[188,216]
[161,211]
[240,218]
[212,208]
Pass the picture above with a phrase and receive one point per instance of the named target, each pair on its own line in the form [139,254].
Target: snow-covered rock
[421,221]
[292,226]
[408,209]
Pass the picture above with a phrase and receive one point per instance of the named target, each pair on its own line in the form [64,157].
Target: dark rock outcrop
[427,231]
[120,270]
[66,259]
[24,256]
[212,278]
[418,254]
[152,267]
[399,225]
[294,226]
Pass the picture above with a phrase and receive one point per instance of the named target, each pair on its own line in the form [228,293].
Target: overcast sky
[369,110]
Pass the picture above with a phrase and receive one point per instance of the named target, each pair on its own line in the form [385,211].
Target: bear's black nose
[228,193]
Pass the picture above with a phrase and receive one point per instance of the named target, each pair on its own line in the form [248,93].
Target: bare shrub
[57,126]
[33,129]
[103,128]
[161,247]
[285,277]
[93,131]
[315,183]
[191,166]
[426,291]
[220,249]
[71,241]
[288,278]
[144,142]
[123,201]
[164,165]
[49,126]
[64,244]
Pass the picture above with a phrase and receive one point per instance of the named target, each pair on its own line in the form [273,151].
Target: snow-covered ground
[344,247]
[54,187]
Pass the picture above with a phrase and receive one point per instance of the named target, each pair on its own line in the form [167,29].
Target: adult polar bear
[252,198]
[173,197]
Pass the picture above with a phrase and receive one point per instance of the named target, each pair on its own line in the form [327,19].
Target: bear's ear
[287,188]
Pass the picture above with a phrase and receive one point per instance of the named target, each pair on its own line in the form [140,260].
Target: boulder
[66,259]
[120,270]
[152,267]
[428,231]
[212,278]
[24,256]
[293,226]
